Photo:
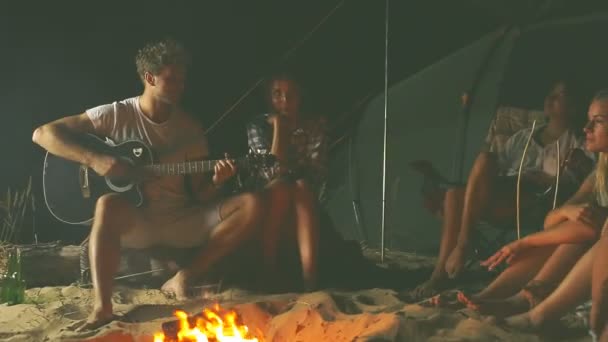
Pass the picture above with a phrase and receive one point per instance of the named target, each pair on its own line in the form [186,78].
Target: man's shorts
[180,227]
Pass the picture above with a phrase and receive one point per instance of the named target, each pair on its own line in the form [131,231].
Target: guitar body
[71,190]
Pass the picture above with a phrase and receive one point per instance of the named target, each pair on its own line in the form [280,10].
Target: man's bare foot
[97,319]
[497,307]
[178,285]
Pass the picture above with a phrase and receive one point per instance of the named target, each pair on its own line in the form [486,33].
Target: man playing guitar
[178,211]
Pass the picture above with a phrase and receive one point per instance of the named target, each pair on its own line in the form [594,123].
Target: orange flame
[212,326]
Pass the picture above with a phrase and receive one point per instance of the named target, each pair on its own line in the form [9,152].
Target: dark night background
[60,58]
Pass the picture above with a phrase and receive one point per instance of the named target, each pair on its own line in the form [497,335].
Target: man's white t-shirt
[178,139]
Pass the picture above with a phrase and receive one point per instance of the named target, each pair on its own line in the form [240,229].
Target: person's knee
[486,157]
[110,205]
[485,162]
[253,205]
[303,191]
[111,210]
[280,193]
[454,195]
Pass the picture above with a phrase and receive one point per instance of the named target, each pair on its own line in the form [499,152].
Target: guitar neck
[183,168]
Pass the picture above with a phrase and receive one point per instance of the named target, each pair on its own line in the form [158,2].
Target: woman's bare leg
[478,195]
[280,203]
[518,274]
[599,289]
[449,233]
[552,271]
[307,229]
[573,290]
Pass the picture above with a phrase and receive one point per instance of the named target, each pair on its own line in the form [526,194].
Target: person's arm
[561,234]
[60,138]
[208,186]
[590,218]
[279,138]
[257,136]
[319,149]
[550,237]
[203,187]
[583,195]
[260,140]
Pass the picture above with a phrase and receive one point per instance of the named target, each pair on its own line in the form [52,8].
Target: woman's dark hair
[286,75]
[578,99]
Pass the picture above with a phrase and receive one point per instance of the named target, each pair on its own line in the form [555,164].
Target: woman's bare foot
[97,319]
[178,285]
[470,300]
[429,288]
[310,282]
[497,307]
[523,322]
[454,265]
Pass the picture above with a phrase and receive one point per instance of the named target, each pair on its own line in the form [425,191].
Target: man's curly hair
[156,55]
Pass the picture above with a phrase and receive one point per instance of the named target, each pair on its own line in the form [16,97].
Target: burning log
[212,325]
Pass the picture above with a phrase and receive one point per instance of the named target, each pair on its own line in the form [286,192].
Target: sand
[53,313]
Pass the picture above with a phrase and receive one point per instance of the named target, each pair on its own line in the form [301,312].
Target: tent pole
[356,196]
[383,235]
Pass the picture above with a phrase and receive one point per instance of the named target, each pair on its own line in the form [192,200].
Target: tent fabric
[425,121]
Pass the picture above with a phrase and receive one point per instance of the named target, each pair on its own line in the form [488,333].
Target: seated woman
[598,319]
[599,276]
[491,186]
[299,142]
[578,226]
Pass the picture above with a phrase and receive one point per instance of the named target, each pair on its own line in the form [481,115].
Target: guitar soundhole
[119,181]
[121,184]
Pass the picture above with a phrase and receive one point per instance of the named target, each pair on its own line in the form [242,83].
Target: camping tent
[512,65]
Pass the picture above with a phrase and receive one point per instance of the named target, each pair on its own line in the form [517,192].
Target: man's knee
[112,208]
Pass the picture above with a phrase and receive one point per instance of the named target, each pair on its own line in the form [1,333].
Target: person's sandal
[447,299]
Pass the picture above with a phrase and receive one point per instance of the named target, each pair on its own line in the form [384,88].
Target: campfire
[212,325]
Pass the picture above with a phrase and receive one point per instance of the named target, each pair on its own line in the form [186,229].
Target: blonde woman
[576,286]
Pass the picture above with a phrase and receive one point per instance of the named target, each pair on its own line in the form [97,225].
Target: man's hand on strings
[223,170]
[112,167]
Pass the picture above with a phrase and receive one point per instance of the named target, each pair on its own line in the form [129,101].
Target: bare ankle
[536,318]
[102,306]
[438,275]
